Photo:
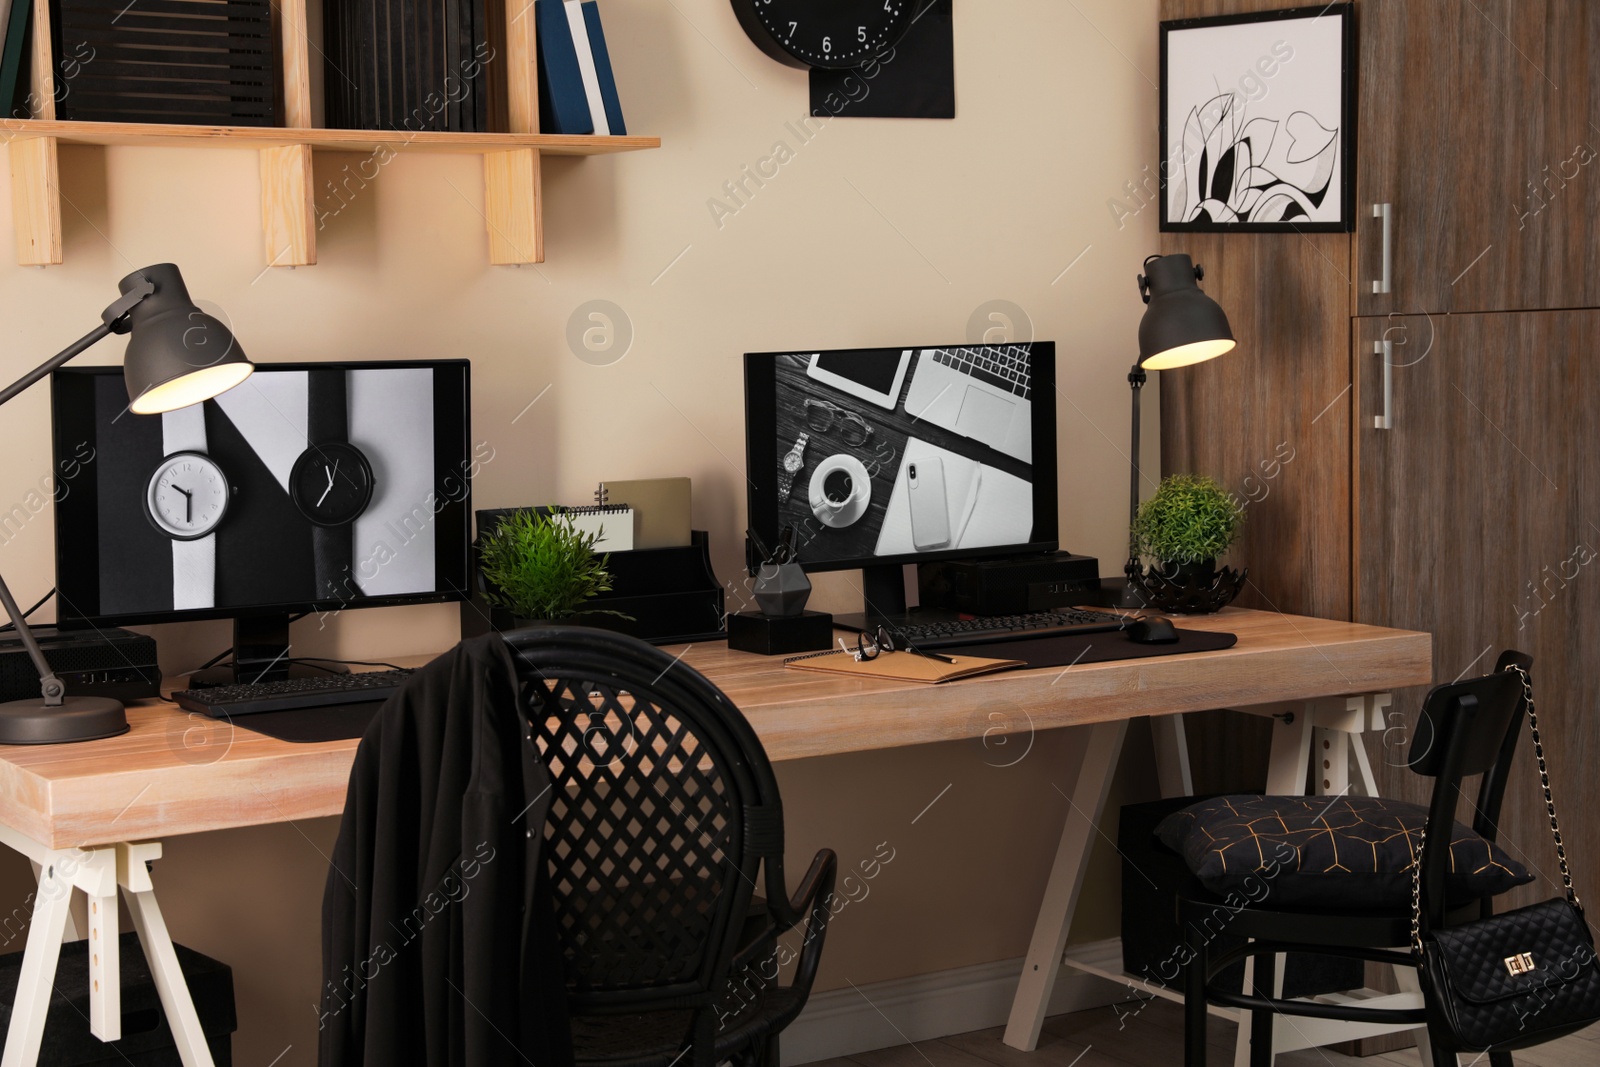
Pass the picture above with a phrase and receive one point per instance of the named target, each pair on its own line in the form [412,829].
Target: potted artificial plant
[542,569]
[1184,527]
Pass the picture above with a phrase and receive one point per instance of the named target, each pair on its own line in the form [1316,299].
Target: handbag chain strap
[1549,807]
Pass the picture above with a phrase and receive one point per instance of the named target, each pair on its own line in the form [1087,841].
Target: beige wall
[874,233]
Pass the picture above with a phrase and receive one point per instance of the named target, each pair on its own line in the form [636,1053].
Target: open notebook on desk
[900,666]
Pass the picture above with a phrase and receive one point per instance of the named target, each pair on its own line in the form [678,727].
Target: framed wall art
[1258,122]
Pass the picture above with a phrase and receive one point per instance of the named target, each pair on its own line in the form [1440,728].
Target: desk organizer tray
[672,595]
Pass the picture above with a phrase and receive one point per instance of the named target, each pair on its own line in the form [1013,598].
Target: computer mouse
[1153,631]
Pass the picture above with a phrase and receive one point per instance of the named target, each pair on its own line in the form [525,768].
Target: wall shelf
[511,161]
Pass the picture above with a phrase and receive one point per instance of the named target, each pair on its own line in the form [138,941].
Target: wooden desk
[88,812]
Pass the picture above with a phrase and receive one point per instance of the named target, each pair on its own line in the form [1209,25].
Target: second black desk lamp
[1181,326]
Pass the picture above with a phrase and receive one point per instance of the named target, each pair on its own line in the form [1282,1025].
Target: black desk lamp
[1181,326]
[177,356]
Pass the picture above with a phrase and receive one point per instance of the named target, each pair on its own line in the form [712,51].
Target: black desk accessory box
[780,635]
[672,594]
[146,1037]
[108,662]
[1009,586]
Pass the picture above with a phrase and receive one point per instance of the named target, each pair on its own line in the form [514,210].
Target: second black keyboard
[986,628]
[289,694]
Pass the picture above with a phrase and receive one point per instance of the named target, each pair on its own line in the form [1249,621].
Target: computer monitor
[881,457]
[310,488]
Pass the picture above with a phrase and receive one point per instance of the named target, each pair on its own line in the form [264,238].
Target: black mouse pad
[336,722]
[1094,648]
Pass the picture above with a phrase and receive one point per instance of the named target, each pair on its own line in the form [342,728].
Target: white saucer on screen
[848,513]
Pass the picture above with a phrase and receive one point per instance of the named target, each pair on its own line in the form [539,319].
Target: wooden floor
[1154,1038]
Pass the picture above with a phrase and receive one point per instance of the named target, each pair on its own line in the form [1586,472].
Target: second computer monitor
[884,456]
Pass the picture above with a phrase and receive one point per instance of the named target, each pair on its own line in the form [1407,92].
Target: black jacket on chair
[438,946]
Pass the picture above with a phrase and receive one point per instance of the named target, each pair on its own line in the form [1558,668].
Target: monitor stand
[260,654]
[883,588]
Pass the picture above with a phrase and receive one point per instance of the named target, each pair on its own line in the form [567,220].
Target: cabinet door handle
[1385,351]
[1385,212]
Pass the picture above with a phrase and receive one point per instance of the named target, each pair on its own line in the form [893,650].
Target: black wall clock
[825,34]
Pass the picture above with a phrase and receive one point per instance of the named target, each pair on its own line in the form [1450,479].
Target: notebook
[900,666]
[563,102]
[662,507]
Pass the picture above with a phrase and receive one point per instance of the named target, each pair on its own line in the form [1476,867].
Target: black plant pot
[1191,588]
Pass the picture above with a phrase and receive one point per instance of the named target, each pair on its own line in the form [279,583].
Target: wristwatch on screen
[331,483]
[790,467]
[186,498]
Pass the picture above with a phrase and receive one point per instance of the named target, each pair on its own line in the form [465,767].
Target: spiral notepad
[613,522]
[899,666]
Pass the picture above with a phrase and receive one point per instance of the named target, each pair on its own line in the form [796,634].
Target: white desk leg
[105,967]
[36,982]
[1331,761]
[1291,751]
[75,918]
[174,992]
[1408,982]
[1096,766]
[1172,756]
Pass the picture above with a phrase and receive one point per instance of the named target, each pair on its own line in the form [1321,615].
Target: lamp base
[32,722]
[1130,596]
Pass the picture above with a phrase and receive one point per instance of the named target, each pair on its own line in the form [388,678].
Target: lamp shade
[177,354]
[1181,325]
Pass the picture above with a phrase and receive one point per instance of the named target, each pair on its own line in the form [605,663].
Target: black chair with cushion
[664,815]
[1331,876]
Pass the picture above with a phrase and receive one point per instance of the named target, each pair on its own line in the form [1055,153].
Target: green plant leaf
[542,567]
[1190,519]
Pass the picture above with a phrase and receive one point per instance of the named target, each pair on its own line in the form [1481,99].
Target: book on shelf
[563,103]
[577,86]
[15,16]
[604,104]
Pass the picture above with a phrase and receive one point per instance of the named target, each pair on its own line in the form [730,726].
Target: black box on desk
[1152,943]
[1009,586]
[146,1036]
[107,662]
[672,595]
[780,635]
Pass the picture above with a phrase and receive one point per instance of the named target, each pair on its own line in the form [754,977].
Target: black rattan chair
[664,814]
[1465,729]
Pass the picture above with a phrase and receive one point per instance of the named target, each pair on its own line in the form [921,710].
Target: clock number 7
[793,26]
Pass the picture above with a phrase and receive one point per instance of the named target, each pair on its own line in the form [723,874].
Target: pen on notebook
[930,655]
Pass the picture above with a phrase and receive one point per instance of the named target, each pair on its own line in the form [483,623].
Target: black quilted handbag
[1512,980]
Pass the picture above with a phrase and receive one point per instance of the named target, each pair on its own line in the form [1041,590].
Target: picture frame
[1258,122]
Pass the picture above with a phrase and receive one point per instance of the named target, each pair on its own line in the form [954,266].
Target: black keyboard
[988,628]
[1005,366]
[289,694]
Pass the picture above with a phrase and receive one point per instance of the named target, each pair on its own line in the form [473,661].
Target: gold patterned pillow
[1350,852]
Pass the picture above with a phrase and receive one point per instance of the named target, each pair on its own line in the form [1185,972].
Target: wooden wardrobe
[1474,513]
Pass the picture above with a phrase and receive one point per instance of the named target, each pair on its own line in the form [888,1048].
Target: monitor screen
[309,487]
[898,455]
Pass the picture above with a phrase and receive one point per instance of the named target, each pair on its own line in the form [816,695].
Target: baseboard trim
[924,1007]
